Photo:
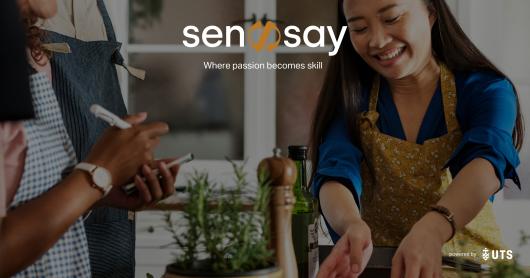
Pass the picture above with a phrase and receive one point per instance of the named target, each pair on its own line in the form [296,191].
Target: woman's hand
[350,255]
[150,191]
[154,189]
[123,152]
[420,252]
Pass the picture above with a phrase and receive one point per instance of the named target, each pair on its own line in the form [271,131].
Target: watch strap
[86,167]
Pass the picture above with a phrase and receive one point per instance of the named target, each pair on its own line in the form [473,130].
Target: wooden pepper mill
[281,172]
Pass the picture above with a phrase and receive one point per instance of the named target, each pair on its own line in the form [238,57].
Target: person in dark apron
[59,243]
[81,78]
[110,232]
[44,203]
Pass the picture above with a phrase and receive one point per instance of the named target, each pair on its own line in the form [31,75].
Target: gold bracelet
[448,215]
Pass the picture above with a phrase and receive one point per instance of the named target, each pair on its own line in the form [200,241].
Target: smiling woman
[402,53]
[426,130]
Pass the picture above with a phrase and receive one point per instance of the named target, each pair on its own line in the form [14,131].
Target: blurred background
[212,101]
[244,114]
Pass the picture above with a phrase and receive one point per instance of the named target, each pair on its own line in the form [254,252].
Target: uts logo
[212,36]
[485,254]
[497,254]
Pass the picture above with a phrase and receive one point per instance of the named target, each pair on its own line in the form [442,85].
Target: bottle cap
[298,152]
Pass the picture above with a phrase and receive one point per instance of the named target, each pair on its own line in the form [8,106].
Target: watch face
[102,178]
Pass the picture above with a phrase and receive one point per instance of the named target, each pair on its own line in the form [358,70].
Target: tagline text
[263,66]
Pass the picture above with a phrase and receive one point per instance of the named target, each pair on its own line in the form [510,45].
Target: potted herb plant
[223,232]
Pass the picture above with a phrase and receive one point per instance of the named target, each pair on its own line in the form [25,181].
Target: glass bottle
[305,217]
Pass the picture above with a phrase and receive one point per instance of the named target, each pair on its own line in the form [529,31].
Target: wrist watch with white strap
[101,177]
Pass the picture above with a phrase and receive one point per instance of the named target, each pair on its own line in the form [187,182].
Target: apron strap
[136,72]
[448,87]
[447,80]
[374,94]
[60,47]
[111,36]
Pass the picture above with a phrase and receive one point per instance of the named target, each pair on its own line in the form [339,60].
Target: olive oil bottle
[305,218]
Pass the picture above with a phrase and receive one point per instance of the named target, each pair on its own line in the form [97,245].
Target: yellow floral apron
[406,178]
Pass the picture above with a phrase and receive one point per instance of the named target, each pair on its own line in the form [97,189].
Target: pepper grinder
[281,173]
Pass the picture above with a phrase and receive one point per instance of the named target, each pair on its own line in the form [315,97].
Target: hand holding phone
[131,187]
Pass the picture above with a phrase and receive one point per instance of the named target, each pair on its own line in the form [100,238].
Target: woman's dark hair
[347,74]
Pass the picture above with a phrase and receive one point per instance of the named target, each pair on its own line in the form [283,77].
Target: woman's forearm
[31,229]
[338,206]
[467,195]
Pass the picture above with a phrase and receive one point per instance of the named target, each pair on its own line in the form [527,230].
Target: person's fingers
[175,171]
[356,254]
[343,268]
[397,266]
[153,184]
[338,253]
[438,273]
[327,268]
[136,118]
[152,163]
[412,271]
[168,181]
[438,269]
[367,253]
[149,159]
[155,129]
[427,271]
[143,190]
[412,267]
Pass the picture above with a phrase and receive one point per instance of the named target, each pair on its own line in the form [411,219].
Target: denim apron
[81,78]
[410,177]
[49,153]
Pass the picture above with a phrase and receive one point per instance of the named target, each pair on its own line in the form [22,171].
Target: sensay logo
[212,36]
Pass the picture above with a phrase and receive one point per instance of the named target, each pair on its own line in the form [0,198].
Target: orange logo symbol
[267,29]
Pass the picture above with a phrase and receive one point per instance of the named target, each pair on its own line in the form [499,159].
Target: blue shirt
[486,111]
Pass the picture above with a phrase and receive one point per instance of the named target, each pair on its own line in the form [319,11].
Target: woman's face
[40,8]
[392,36]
